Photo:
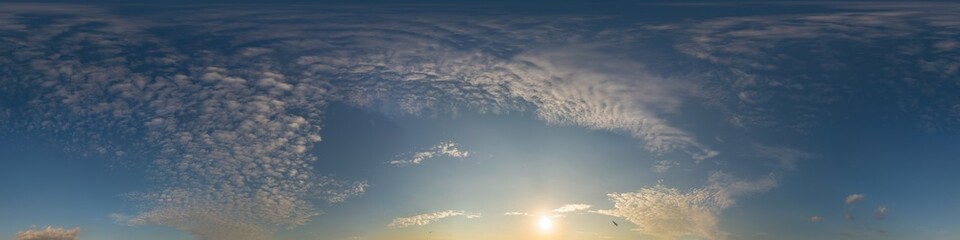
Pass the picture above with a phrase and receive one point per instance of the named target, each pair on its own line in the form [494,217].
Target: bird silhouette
[615,223]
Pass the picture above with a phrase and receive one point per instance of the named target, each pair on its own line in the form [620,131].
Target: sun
[545,223]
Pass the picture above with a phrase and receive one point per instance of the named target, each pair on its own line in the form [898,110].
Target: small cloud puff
[815,218]
[881,213]
[560,211]
[853,199]
[48,233]
[427,218]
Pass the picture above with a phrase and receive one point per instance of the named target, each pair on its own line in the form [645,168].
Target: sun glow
[545,223]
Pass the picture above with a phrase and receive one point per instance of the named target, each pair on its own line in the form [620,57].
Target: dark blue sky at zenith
[464,120]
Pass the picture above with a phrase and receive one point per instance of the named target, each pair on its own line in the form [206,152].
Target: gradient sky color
[467,121]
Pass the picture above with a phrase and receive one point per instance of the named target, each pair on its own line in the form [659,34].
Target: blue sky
[459,121]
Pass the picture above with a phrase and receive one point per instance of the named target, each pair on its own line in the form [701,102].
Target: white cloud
[443,149]
[853,199]
[48,233]
[427,218]
[669,213]
[572,208]
[815,218]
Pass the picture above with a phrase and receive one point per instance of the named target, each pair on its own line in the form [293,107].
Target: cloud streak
[48,233]
[572,208]
[662,166]
[427,218]
[443,149]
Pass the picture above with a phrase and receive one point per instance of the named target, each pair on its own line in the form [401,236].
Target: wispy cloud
[727,188]
[782,157]
[443,149]
[516,214]
[815,219]
[662,166]
[558,212]
[48,233]
[880,213]
[427,218]
[569,86]
[572,208]
[850,201]
[751,45]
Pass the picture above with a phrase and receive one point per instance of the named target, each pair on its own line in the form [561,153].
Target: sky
[393,120]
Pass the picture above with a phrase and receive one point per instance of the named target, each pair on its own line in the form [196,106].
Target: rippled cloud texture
[229,127]
[228,105]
